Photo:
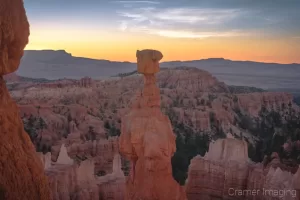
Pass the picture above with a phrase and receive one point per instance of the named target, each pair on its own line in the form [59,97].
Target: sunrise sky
[258,30]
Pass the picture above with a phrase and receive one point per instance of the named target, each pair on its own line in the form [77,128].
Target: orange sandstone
[21,171]
[148,141]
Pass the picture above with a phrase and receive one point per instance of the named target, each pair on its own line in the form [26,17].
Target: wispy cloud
[180,15]
[209,16]
[190,34]
[137,2]
[179,22]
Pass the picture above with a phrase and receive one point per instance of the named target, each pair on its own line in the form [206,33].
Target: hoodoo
[21,171]
[147,139]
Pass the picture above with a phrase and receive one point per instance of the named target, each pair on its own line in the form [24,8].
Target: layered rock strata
[147,139]
[21,172]
[253,102]
[225,172]
[223,167]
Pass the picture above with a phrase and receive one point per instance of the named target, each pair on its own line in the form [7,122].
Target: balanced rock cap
[148,61]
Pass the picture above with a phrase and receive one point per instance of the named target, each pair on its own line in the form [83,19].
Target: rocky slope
[102,104]
[200,107]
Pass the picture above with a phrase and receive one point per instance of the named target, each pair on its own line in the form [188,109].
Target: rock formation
[46,159]
[192,98]
[12,77]
[253,102]
[226,173]
[63,158]
[63,83]
[102,151]
[273,183]
[192,79]
[85,82]
[21,172]
[224,166]
[199,119]
[195,101]
[227,150]
[147,139]
[71,180]
[112,186]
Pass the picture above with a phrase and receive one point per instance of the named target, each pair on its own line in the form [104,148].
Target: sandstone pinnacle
[148,141]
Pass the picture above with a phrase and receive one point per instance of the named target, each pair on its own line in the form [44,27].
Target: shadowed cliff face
[21,172]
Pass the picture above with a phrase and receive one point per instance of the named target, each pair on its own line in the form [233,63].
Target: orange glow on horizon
[116,45]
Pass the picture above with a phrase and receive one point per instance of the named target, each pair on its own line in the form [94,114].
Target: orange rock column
[21,171]
[148,141]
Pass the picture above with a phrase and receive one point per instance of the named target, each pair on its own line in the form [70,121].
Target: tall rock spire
[21,171]
[147,139]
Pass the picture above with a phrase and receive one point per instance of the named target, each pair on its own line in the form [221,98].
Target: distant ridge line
[172,61]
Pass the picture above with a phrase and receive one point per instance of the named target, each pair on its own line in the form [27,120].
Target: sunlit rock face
[228,150]
[147,139]
[225,166]
[76,179]
[102,151]
[69,179]
[112,186]
[226,173]
[148,61]
[253,102]
[21,172]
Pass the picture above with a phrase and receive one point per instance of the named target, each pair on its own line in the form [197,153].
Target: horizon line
[226,59]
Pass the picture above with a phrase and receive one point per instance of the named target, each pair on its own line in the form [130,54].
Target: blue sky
[172,18]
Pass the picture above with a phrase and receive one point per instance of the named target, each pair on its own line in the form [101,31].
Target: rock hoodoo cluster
[70,179]
[225,172]
[21,172]
[253,102]
[102,151]
[147,139]
[85,82]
